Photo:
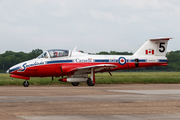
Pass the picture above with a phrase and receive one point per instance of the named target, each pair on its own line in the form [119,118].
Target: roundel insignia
[122,60]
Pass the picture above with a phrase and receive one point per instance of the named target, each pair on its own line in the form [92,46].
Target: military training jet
[74,67]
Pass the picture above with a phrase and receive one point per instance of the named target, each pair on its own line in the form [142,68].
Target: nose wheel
[26,83]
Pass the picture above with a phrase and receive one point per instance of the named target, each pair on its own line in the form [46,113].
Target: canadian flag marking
[149,52]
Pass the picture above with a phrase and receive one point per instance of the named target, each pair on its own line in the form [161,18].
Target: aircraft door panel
[137,62]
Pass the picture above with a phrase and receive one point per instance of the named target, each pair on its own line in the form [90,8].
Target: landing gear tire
[90,82]
[75,83]
[26,83]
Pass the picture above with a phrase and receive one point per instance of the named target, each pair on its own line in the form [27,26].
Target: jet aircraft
[76,65]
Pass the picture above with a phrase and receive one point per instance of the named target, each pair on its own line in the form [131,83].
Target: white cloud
[126,24]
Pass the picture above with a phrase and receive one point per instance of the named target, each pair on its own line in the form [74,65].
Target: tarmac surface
[100,102]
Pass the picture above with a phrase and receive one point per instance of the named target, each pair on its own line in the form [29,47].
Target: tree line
[10,58]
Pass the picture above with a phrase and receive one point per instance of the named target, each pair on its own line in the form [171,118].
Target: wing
[97,68]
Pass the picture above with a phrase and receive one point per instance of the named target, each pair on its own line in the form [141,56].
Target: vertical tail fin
[153,47]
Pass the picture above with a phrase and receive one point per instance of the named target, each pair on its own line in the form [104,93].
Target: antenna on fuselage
[75,48]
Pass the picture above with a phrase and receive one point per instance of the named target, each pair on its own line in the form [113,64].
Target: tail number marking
[161,47]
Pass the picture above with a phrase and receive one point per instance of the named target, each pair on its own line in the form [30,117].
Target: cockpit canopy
[58,53]
[54,53]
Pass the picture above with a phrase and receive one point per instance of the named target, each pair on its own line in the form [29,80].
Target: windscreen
[43,55]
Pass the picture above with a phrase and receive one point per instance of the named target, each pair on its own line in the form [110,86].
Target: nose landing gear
[25,83]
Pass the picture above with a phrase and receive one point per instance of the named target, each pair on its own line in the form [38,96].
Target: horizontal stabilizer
[160,39]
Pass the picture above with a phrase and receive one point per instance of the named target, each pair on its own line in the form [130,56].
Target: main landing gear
[75,83]
[90,82]
[25,83]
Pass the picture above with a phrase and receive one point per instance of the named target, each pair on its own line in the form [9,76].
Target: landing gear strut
[26,83]
[90,82]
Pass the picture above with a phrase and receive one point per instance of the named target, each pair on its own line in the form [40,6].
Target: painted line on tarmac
[132,97]
[175,116]
[150,92]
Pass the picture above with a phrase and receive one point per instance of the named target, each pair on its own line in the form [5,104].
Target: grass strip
[105,78]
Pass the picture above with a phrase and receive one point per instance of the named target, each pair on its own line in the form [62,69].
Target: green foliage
[103,53]
[174,60]
[81,51]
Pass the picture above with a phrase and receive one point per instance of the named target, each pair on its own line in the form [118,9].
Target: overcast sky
[92,25]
